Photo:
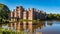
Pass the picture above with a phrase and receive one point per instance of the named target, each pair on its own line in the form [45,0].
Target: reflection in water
[50,23]
[24,25]
[41,27]
[28,27]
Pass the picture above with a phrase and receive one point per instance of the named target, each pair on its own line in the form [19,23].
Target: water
[42,27]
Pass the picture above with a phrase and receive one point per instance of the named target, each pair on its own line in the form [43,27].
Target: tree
[4,11]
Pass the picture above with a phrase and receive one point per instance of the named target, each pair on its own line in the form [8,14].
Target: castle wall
[30,14]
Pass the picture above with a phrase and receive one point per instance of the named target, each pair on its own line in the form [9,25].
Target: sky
[48,6]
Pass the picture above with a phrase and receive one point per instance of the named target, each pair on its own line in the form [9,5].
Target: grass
[28,20]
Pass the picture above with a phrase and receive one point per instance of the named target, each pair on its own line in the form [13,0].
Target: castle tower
[11,16]
[38,14]
[19,11]
[31,14]
[15,15]
[25,15]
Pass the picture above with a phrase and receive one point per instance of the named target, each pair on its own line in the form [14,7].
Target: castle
[30,14]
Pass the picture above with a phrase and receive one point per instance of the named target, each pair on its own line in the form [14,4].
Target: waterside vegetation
[9,31]
[53,16]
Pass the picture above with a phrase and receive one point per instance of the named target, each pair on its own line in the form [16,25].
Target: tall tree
[4,11]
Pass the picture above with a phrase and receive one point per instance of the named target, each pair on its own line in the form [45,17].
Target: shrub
[6,21]
[0,19]
[9,31]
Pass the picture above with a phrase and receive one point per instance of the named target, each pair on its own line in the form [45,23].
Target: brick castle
[30,14]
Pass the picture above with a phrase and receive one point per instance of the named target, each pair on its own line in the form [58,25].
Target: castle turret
[25,15]
[31,14]
[15,15]
[19,11]
[11,16]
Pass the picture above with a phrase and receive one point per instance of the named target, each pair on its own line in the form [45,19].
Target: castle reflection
[28,27]
[42,27]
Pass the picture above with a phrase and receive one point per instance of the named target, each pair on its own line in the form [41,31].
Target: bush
[9,31]
[6,21]
[0,19]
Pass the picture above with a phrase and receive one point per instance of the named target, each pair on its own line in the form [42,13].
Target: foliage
[4,11]
[0,19]
[9,31]
[29,20]
[53,16]
[6,21]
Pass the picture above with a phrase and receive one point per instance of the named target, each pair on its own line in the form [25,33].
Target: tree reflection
[50,23]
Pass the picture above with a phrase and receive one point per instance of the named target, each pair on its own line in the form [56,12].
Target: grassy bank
[29,20]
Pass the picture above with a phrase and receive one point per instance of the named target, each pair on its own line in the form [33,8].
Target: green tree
[4,11]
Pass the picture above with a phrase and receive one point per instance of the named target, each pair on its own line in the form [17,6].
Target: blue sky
[48,6]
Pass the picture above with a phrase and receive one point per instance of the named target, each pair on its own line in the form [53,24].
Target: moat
[42,27]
